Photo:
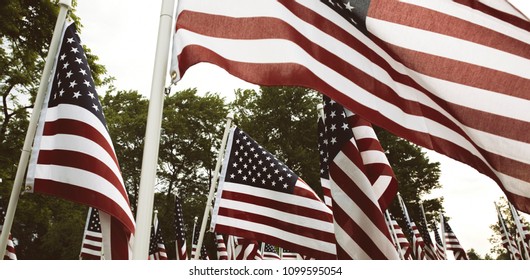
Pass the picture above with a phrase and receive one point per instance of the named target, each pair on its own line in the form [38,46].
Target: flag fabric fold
[73,156]
[10,247]
[92,245]
[222,253]
[442,74]
[452,243]
[362,185]
[260,198]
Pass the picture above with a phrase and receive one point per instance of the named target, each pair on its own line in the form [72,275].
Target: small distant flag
[92,246]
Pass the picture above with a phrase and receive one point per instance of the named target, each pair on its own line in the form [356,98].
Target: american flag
[440,250]
[269,252]
[323,154]
[92,245]
[523,232]
[399,64]
[289,255]
[507,240]
[195,240]
[260,198]
[246,249]
[222,253]
[404,244]
[73,155]
[157,248]
[180,241]
[452,243]
[10,249]
[430,251]
[412,231]
[362,185]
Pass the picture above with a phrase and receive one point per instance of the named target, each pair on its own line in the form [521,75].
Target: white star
[74,50]
[76,94]
[332,114]
[69,74]
[73,83]
[91,95]
[65,65]
[78,60]
[70,40]
[345,126]
[95,107]
[61,92]
[87,83]
[333,127]
[82,71]
[349,6]
[63,56]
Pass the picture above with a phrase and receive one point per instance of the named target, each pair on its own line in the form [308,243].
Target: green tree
[126,115]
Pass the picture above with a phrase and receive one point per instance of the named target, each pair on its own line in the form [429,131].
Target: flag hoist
[65,6]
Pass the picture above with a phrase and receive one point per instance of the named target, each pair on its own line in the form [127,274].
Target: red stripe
[274,240]
[85,197]
[444,24]
[299,210]
[356,233]
[79,128]
[516,21]
[84,162]
[278,223]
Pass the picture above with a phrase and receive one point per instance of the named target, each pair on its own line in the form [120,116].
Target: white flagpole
[152,134]
[520,230]
[394,235]
[213,185]
[501,220]
[65,6]
[442,229]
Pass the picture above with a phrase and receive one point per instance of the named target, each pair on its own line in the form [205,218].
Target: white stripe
[83,145]
[285,198]
[358,178]
[308,242]
[412,122]
[381,184]
[79,178]
[504,7]
[349,245]
[277,214]
[355,213]
[91,252]
[465,13]
[72,112]
[93,234]
[373,157]
[449,47]
[364,132]
[91,242]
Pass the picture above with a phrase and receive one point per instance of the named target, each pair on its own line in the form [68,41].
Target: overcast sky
[123,34]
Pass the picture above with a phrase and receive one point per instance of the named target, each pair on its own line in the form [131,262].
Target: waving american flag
[260,198]
[452,76]
[73,156]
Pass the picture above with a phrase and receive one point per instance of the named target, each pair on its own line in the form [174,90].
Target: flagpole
[519,229]
[442,229]
[501,220]
[394,235]
[213,185]
[152,133]
[65,6]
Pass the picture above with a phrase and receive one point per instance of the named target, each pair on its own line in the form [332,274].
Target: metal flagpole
[442,229]
[501,220]
[65,6]
[152,134]
[213,185]
[394,235]
[520,230]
